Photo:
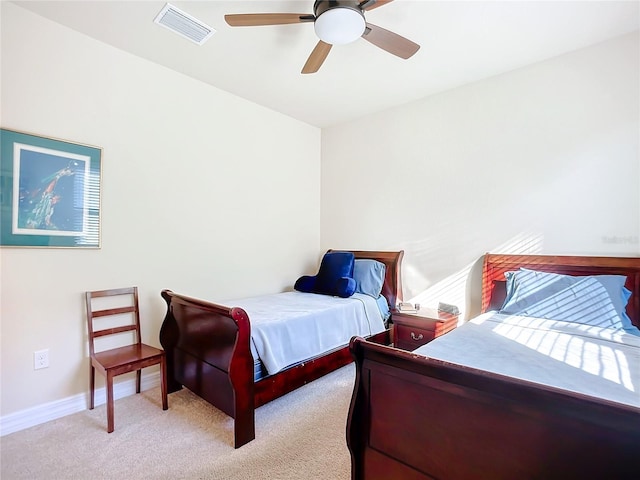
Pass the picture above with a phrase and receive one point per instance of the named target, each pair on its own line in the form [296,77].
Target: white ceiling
[461,42]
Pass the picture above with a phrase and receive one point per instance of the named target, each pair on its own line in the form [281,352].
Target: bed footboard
[412,417]
[208,351]
[207,348]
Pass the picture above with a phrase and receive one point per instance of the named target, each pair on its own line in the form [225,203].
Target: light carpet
[298,436]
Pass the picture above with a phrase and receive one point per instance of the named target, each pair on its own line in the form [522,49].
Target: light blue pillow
[369,276]
[598,300]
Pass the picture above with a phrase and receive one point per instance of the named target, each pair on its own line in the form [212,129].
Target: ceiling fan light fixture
[339,25]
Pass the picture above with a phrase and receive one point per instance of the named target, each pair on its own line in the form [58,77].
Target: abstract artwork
[49,192]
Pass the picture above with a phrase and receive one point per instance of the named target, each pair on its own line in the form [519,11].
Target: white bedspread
[287,328]
[585,359]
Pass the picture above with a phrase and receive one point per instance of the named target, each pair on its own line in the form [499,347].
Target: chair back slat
[113,311]
[113,331]
[113,291]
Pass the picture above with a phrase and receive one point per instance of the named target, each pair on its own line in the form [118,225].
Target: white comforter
[585,359]
[287,328]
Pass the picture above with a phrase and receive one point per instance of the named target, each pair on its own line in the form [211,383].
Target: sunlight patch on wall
[453,288]
[525,243]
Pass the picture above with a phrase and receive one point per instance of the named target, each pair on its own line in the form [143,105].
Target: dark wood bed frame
[412,417]
[207,348]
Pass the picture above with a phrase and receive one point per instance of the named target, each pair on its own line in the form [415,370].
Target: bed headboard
[392,287]
[496,264]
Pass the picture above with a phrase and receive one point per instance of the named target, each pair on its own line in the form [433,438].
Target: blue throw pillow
[306,283]
[598,300]
[335,276]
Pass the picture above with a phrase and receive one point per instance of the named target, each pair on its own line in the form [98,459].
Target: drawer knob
[416,337]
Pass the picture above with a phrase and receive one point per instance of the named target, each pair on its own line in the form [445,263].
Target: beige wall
[544,159]
[199,191]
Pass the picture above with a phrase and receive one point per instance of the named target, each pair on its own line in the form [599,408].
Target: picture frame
[50,192]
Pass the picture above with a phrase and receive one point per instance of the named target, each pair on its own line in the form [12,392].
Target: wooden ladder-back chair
[125,359]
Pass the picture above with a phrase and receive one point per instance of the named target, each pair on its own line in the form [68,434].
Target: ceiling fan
[336,22]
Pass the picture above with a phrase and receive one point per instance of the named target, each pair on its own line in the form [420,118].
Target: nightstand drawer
[412,330]
[410,337]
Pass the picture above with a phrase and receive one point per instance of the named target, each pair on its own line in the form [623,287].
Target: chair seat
[120,357]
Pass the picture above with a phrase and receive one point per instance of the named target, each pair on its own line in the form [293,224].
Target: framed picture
[49,192]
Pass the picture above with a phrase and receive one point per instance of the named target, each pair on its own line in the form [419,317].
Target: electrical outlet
[41,359]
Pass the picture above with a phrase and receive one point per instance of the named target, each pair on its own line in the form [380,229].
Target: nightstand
[412,330]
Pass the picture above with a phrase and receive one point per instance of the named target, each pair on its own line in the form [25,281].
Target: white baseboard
[77,403]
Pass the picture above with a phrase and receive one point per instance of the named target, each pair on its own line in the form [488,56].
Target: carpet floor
[298,436]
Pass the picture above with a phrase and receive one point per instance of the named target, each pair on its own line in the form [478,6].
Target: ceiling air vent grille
[184,24]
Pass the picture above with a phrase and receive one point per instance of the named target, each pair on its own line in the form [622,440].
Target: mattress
[291,327]
[593,361]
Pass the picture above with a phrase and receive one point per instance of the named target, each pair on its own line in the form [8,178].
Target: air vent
[184,24]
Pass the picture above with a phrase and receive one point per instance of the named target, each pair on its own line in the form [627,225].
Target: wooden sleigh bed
[414,417]
[208,351]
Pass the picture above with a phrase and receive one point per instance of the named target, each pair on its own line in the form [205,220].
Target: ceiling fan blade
[389,41]
[317,57]
[371,4]
[257,19]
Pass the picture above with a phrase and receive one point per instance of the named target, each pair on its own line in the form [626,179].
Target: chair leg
[92,385]
[138,380]
[109,402]
[163,383]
